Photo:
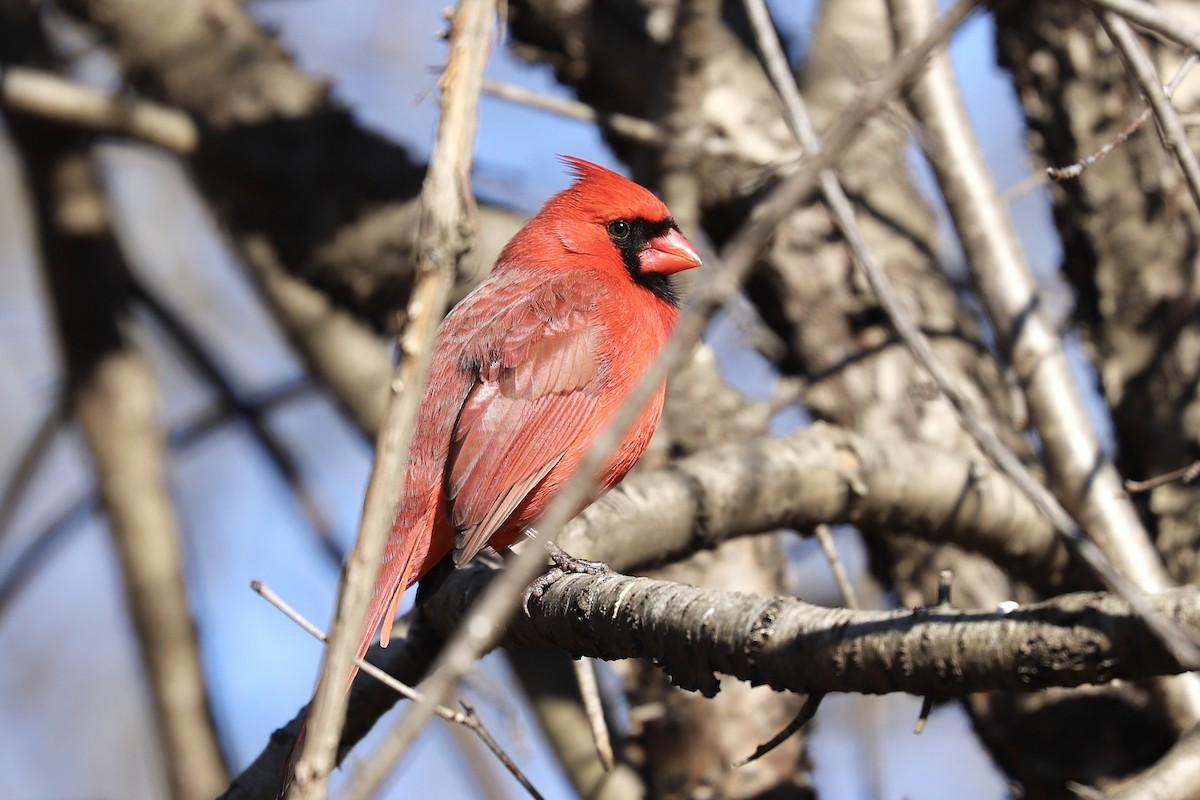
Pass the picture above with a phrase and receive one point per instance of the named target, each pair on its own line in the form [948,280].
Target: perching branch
[790,645]
[820,474]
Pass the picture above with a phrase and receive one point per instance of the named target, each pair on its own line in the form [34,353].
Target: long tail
[406,560]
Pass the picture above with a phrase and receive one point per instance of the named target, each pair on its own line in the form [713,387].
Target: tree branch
[1082,475]
[790,645]
[447,226]
[56,99]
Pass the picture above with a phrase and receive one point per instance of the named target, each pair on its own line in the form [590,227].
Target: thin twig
[829,548]
[467,718]
[945,581]
[444,237]
[31,458]
[806,713]
[633,128]
[1148,79]
[1184,474]
[206,364]
[56,99]
[589,690]
[1169,26]
[25,565]
[402,689]
[1072,171]
[499,601]
[28,561]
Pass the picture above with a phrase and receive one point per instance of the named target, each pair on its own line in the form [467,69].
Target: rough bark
[1129,234]
[283,163]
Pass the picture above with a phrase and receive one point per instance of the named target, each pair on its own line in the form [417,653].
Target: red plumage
[528,370]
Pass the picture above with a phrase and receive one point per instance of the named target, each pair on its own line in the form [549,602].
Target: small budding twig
[1070,171]
[945,579]
[467,718]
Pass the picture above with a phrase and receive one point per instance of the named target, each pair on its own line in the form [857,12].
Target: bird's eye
[618,229]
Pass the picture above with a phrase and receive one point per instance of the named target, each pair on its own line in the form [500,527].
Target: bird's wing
[536,390]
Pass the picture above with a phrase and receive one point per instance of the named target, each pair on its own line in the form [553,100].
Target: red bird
[528,370]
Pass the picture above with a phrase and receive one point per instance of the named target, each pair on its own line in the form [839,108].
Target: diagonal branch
[205,362]
[1082,475]
[26,465]
[1144,72]
[30,558]
[445,236]
[57,99]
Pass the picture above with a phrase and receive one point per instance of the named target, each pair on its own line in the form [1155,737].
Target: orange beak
[669,253]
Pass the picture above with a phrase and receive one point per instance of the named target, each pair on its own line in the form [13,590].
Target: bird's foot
[564,564]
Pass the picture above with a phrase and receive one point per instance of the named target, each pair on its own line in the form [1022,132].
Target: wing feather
[535,393]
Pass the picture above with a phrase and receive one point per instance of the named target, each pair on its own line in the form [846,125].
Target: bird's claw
[539,586]
[564,564]
[576,566]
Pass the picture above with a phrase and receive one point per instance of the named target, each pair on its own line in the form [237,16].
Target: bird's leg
[564,564]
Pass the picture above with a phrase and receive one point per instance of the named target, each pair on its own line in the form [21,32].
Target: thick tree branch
[790,645]
[820,474]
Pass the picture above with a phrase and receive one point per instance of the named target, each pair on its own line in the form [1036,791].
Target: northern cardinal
[528,370]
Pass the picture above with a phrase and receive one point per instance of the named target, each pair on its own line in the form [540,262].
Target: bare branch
[809,710]
[840,577]
[27,463]
[205,363]
[819,474]
[589,690]
[1163,23]
[1077,465]
[55,99]
[1175,775]
[346,355]
[1148,79]
[445,234]
[788,644]
[466,718]
[28,561]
